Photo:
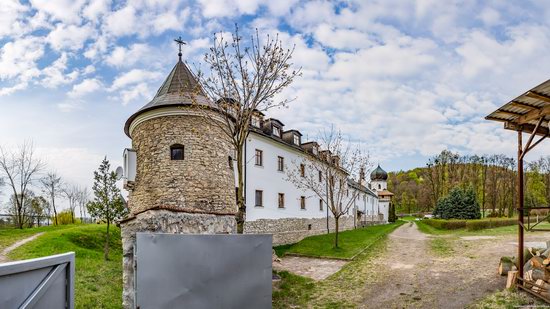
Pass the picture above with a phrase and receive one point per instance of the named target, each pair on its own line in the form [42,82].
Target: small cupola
[379,174]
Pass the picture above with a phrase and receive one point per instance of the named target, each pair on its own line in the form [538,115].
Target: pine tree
[107,204]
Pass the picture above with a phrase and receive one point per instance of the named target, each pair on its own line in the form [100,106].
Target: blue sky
[407,78]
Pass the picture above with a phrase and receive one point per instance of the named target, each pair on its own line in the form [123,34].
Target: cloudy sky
[407,78]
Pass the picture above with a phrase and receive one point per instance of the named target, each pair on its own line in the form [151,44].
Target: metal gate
[203,271]
[46,282]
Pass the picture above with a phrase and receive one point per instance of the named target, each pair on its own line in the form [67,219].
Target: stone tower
[184,179]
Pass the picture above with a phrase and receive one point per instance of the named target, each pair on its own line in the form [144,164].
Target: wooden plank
[534,114]
[512,279]
[522,105]
[539,96]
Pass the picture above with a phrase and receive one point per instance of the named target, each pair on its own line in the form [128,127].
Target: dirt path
[7,250]
[412,276]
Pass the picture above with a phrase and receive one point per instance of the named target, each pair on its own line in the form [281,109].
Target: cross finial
[180,42]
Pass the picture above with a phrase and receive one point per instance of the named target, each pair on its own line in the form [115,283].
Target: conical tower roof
[180,88]
[379,174]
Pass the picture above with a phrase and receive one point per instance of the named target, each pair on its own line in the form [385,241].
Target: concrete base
[165,221]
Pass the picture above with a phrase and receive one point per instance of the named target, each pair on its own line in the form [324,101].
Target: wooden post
[520,204]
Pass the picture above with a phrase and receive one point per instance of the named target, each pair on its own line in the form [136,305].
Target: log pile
[536,270]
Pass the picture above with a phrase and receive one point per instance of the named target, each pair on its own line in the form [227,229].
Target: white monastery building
[274,204]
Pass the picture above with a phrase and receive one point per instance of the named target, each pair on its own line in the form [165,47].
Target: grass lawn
[98,282]
[11,235]
[341,290]
[351,242]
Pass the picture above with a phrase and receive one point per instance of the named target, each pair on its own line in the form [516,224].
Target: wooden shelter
[528,113]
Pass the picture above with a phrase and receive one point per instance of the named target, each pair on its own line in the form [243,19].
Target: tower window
[379,187]
[230,162]
[320,176]
[302,202]
[176,152]
[302,170]
[320,204]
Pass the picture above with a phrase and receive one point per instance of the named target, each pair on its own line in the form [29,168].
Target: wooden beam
[510,113]
[522,105]
[539,96]
[528,128]
[534,114]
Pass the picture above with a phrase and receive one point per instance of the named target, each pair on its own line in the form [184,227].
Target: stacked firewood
[536,270]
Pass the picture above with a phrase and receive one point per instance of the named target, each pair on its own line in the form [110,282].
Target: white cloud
[64,10]
[69,37]
[18,63]
[10,18]
[122,22]
[87,86]
[133,77]
[54,75]
[125,57]
[96,9]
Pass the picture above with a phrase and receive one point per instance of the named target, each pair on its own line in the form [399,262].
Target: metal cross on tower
[180,42]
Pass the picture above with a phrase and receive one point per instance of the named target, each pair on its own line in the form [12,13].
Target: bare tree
[72,193]
[20,167]
[244,78]
[83,197]
[327,174]
[52,187]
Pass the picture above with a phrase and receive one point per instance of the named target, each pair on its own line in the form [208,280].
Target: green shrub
[470,225]
[445,224]
[459,204]
[475,225]
[65,217]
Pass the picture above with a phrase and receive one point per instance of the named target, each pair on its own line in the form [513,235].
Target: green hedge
[470,225]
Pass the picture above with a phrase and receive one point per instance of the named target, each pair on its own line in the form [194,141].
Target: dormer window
[276,131]
[255,122]
[315,151]
[296,140]
[176,152]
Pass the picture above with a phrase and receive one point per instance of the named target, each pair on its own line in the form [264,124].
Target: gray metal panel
[46,282]
[203,271]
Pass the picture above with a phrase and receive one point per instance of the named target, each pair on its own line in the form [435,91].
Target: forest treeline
[492,177]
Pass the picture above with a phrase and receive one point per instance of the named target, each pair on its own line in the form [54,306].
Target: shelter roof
[525,111]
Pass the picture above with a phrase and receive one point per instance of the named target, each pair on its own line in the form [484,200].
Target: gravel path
[413,277]
[7,250]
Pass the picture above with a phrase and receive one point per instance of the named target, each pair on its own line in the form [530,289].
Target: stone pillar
[164,221]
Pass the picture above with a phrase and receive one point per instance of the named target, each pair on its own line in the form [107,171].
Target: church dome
[379,174]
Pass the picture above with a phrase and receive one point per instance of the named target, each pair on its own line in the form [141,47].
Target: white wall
[272,182]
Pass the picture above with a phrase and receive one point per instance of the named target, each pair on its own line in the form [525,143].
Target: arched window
[230,162]
[176,152]
[379,187]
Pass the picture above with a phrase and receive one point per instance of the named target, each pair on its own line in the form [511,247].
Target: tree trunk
[54,210]
[336,230]
[106,249]
[241,212]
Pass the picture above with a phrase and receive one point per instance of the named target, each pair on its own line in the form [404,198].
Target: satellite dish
[119,173]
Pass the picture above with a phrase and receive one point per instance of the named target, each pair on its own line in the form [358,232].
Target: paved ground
[317,269]
[4,253]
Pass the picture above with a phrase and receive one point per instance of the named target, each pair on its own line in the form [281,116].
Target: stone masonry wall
[164,221]
[201,183]
[291,230]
